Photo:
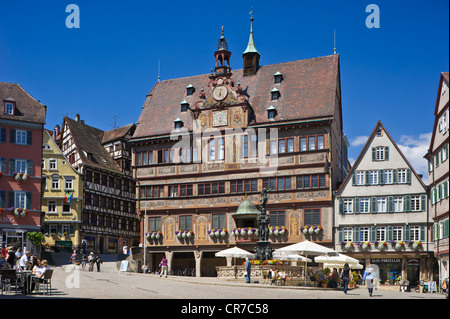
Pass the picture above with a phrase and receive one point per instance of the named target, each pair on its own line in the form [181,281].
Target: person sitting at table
[38,273]
[3,262]
[24,260]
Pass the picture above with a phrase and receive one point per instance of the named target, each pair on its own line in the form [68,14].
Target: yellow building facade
[62,199]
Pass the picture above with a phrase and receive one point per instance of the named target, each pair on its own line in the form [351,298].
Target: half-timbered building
[438,172]
[109,220]
[205,146]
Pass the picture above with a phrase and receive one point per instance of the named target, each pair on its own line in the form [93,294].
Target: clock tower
[224,104]
[222,55]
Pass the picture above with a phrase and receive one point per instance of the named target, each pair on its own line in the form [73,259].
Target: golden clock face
[220,93]
[220,118]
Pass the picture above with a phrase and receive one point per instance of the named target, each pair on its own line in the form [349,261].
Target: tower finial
[222,30]
[334,41]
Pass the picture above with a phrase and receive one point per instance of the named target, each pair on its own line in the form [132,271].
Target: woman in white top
[39,272]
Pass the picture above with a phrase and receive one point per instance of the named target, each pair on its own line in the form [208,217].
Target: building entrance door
[413,273]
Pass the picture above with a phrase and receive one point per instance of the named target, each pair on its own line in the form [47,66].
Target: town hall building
[205,147]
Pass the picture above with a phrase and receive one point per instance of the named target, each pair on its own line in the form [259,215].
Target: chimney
[77,117]
[56,132]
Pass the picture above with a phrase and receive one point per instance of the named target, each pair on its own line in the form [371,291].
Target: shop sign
[413,262]
[7,220]
[385,260]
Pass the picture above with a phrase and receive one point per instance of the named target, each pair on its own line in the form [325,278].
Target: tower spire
[251,42]
[251,55]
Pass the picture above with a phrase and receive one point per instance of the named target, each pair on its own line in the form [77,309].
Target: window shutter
[71,229]
[353,179]
[408,176]
[12,136]
[28,204]
[445,189]
[394,176]
[374,155]
[357,205]
[30,167]
[29,138]
[373,204]
[47,229]
[423,199]
[386,153]
[356,233]
[11,199]
[407,204]
[407,233]
[367,177]
[390,204]
[2,199]
[12,165]
[2,135]
[373,234]
[341,205]
[390,233]
[381,177]
[422,233]
[3,167]
[340,234]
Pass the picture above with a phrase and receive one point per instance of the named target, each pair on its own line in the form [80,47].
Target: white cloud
[414,148]
[359,140]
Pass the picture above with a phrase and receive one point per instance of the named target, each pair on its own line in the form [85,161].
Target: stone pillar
[198,262]
[404,266]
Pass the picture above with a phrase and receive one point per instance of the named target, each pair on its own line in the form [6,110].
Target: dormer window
[178,123]
[275,94]
[190,90]
[184,106]
[277,77]
[271,112]
[9,108]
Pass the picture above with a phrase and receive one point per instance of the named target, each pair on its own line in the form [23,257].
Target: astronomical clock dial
[220,118]
[220,93]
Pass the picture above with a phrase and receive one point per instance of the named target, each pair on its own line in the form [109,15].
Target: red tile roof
[27,108]
[308,90]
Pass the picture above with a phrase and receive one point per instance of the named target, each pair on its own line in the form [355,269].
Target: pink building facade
[22,120]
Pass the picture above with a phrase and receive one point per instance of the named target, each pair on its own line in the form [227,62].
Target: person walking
[369,277]
[83,261]
[11,257]
[98,261]
[164,268]
[248,270]
[345,275]
[91,260]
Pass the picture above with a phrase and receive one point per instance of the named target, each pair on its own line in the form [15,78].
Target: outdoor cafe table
[26,278]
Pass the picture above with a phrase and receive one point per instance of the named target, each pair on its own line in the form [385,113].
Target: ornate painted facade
[205,147]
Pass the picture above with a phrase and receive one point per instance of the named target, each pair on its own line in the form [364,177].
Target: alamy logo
[73,19]
[373,19]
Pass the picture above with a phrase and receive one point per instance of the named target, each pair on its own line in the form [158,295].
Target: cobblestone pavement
[109,283]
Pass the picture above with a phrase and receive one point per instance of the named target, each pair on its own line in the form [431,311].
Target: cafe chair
[8,277]
[46,281]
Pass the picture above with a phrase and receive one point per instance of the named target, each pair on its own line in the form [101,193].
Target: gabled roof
[88,141]
[308,91]
[364,151]
[28,109]
[444,77]
[118,133]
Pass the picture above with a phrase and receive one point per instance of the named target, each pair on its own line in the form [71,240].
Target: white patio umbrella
[235,252]
[340,259]
[290,257]
[352,266]
[307,248]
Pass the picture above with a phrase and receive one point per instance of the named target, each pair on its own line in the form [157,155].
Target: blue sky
[107,66]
